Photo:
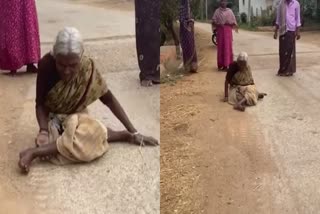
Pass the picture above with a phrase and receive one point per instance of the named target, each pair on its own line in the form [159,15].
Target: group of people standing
[20,39]
[240,89]
[288,23]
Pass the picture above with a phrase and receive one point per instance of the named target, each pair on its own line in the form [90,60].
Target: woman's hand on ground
[143,140]
[42,138]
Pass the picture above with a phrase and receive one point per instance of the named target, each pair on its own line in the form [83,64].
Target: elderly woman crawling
[242,91]
[67,83]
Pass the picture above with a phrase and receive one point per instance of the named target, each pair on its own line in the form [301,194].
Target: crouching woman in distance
[240,89]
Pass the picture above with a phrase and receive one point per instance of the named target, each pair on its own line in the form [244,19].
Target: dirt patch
[213,159]
[311,37]
[181,156]
[13,89]
[12,204]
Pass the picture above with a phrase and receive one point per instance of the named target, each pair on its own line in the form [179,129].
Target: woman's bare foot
[146,83]
[26,157]
[31,68]
[261,95]
[239,107]
[142,140]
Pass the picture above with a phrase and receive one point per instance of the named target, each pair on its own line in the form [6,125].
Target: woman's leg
[220,54]
[127,137]
[241,105]
[148,40]
[228,57]
[28,155]
[48,150]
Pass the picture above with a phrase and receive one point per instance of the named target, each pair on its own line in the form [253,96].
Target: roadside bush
[308,9]
[255,21]
[318,14]
[244,18]
[267,20]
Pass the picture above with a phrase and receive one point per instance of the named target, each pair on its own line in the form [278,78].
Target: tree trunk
[249,12]
[170,28]
[201,6]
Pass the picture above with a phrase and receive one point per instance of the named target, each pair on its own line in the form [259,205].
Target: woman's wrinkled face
[242,64]
[223,3]
[67,66]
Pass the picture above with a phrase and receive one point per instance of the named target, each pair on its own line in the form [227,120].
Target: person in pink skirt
[19,35]
[224,21]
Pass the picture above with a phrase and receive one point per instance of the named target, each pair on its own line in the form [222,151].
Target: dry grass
[181,177]
[172,71]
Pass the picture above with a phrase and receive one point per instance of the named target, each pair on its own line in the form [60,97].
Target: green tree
[169,14]
[169,11]
[196,8]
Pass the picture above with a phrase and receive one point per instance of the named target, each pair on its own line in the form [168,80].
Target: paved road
[93,22]
[268,158]
[126,179]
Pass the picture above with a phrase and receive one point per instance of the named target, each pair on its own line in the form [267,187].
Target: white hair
[243,56]
[68,41]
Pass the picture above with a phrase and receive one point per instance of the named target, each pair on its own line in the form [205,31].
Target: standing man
[288,25]
[148,40]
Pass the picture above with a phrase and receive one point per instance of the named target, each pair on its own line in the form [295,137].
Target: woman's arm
[233,68]
[42,117]
[236,27]
[42,113]
[109,100]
